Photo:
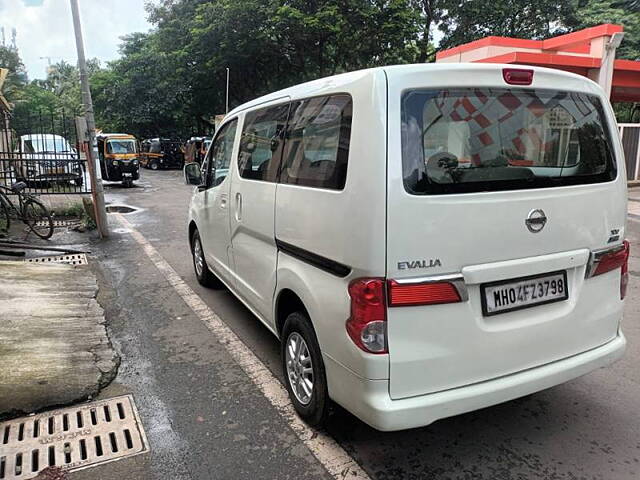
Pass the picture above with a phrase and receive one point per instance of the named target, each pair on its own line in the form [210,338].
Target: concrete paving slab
[54,347]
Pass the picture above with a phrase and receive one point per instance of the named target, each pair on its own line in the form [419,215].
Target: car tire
[312,404]
[205,277]
[154,166]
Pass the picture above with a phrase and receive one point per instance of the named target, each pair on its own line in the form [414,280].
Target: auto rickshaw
[196,148]
[119,158]
[159,153]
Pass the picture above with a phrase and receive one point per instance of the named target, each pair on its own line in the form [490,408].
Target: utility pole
[97,191]
[227,96]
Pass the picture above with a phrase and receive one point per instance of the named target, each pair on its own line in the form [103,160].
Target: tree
[139,93]
[471,20]
[17,77]
[431,12]
[589,13]
[172,80]
[629,5]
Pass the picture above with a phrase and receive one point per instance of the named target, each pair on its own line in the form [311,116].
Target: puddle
[124,209]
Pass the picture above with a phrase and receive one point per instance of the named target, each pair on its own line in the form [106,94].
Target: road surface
[206,419]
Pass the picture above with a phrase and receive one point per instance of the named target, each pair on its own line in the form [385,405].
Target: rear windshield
[486,139]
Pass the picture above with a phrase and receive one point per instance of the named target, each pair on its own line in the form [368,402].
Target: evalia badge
[414,264]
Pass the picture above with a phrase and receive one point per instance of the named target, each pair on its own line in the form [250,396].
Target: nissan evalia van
[425,240]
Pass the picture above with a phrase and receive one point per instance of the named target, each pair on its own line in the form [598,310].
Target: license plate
[127,174]
[518,293]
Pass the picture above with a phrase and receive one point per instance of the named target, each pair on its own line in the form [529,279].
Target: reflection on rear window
[470,140]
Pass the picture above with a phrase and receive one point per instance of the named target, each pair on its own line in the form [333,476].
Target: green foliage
[33,99]
[59,92]
[589,13]
[629,5]
[471,20]
[140,92]
[17,77]
[171,81]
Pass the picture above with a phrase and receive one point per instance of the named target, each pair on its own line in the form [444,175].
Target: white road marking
[331,455]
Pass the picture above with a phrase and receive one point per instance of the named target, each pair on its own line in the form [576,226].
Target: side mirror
[192,174]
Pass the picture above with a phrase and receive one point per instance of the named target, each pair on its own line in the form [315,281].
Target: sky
[45,29]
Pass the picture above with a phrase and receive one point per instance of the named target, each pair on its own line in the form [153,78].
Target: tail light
[367,325]
[517,76]
[433,293]
[624,275]
[611,259]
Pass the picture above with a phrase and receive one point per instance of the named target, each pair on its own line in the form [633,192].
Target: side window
[260,144]
[317,146]
[219,157]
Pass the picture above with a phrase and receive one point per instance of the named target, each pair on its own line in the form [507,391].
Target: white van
[425,240]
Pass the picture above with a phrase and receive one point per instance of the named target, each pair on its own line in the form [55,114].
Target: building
[590,52]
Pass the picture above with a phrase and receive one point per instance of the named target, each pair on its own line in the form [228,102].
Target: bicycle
[29,209]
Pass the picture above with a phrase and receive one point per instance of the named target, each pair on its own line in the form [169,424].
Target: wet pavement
[53,342]
[204,419]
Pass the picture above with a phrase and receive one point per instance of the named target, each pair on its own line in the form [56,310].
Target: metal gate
[41,150]
[630,134]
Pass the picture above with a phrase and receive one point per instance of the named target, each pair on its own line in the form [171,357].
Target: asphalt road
[205,420]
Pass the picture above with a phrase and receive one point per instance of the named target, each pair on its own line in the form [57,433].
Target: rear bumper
[369,399]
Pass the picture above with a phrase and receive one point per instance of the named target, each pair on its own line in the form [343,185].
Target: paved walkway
[53,342]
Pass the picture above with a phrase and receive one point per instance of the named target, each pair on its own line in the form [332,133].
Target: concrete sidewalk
[53,343]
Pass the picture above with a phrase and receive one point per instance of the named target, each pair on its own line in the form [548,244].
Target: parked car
[425,240]
[159,153]
[47,158]
[119,158]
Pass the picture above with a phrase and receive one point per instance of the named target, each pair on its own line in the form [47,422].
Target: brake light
[434,293]
[517,76]
[367,325]
[617,257]
[612,259]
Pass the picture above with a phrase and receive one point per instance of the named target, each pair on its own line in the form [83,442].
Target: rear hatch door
[496,183]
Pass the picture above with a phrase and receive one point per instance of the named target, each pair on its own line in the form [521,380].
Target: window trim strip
[318,261]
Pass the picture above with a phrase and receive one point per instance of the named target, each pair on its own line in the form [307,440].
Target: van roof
[48,136]
[323,85]
[115,135]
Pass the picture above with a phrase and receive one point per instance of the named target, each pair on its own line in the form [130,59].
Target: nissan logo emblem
[536,220]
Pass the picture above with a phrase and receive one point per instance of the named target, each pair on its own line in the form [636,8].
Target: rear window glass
[472,140]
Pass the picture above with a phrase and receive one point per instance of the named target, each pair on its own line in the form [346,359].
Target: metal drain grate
[72,259]
[72,438]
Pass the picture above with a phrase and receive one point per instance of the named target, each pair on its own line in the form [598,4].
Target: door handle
[238,206]
[223,201]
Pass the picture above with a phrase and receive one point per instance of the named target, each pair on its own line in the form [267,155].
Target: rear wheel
[303,370]
[5,219]
[154,165]
[203,274]
[37,218]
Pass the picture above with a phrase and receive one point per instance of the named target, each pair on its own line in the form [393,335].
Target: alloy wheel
[299,368]
[198,257]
